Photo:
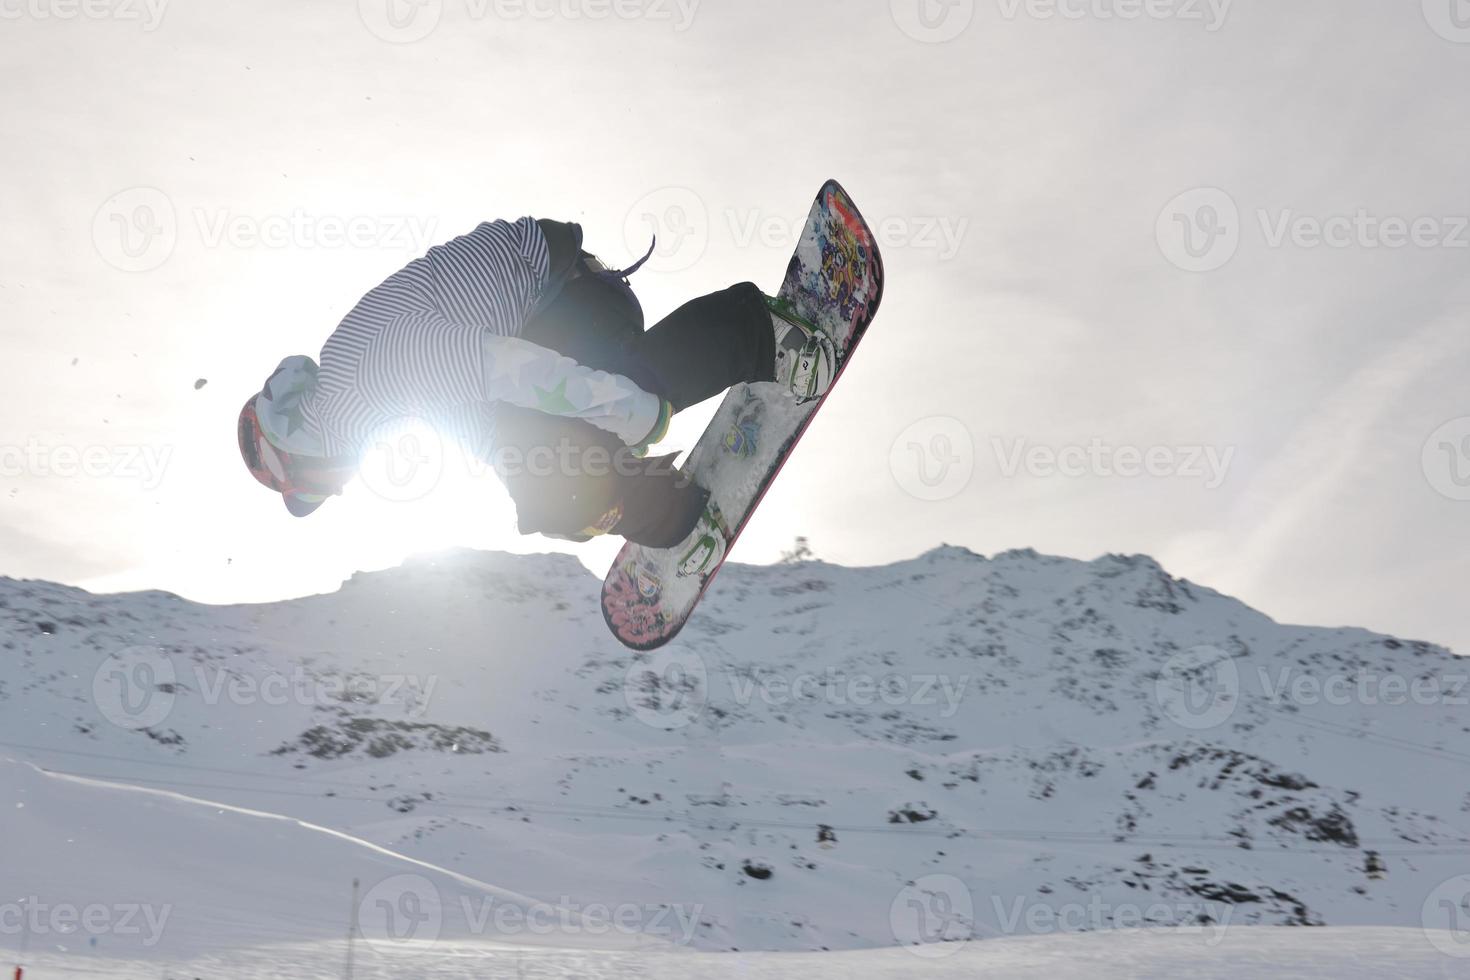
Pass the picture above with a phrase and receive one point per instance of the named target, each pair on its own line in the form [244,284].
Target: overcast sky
[1177,277]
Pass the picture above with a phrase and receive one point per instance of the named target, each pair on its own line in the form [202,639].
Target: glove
[659,430]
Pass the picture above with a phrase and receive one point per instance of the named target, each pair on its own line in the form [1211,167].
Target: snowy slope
[829,758]
[1293,954]
[151,875]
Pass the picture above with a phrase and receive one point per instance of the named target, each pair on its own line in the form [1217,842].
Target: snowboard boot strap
[806,358]
[705,549]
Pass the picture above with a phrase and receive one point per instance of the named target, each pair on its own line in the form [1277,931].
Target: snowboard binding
[704,550]
[806,358]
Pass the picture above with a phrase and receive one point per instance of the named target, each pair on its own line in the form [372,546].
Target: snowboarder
[529,351]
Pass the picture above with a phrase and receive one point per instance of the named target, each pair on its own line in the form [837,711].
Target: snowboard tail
[835,282]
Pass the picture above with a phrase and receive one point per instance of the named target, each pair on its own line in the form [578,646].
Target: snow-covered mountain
[951,747]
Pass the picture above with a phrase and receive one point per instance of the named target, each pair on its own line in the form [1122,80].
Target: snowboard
[835,282]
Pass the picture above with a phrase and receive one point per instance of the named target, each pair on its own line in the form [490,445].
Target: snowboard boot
[704,549]
[806,358]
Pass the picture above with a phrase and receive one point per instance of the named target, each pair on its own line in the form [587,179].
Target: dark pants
[701,349]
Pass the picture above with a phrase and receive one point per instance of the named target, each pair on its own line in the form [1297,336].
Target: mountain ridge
[825,750]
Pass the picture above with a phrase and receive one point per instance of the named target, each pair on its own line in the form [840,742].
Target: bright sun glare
[419,491]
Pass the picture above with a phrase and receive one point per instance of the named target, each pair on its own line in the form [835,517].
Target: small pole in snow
[25,937]
[351,929]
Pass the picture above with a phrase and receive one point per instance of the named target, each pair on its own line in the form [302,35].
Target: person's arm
[421,363]
[525,374]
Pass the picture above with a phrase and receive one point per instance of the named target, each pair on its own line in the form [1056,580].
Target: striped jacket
[438,342]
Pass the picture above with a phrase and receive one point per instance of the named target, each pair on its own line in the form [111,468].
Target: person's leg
[571,479]
[661,504]
[705,347]
[700,350]
[559,472]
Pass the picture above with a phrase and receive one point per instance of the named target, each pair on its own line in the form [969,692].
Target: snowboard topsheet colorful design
[835,281]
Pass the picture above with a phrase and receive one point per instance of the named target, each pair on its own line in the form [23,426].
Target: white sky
[1022,173]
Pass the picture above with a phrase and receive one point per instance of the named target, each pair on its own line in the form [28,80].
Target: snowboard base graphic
[835,281]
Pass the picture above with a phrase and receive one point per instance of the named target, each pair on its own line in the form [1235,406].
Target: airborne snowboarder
[514,339]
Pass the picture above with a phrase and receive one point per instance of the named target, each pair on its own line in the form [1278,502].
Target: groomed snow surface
[224,886]
[1253,952]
